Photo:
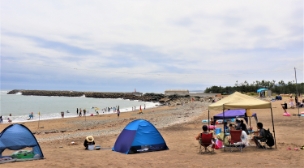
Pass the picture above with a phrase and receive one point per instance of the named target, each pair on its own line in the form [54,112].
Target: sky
[149,46]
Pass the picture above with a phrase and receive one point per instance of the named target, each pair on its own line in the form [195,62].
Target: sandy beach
[177,124]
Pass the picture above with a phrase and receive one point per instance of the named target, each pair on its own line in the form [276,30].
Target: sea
[18,107]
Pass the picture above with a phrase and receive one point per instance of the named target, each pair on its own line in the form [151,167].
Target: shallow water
[50,107]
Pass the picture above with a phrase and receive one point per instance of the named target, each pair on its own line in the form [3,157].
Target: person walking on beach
[62,114]
[77,111]
[84,112]
[1,119]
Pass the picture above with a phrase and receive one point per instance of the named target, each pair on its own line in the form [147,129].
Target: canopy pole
[224,127]
[275,141]
[208,121]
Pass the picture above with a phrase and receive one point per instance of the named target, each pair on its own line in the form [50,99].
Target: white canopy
[238,100]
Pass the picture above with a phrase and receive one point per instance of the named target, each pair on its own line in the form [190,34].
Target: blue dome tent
[139,136]
[18,136]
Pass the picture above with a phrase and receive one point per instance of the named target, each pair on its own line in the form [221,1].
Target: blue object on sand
[217,131]
[204,121]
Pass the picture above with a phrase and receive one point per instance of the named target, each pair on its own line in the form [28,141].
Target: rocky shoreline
[149,97]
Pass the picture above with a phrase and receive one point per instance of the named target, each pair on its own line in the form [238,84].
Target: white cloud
[202,39]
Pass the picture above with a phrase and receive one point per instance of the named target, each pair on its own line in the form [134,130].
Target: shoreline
[69,116]
[109,124]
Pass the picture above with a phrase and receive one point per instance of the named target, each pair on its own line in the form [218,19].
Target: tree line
[276,87]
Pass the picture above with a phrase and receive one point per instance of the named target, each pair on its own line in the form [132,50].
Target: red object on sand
[286,114]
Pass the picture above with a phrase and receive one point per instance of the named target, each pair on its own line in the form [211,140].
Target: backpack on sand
[269,138]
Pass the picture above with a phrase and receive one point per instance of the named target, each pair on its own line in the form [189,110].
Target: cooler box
[217,131]
[91,147]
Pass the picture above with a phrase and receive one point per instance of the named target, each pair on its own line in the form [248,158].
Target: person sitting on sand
[89,140]
[261,135]
[9,120]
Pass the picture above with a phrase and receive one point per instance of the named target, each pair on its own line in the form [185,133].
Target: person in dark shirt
[284,106]
[261,135]
[88,141]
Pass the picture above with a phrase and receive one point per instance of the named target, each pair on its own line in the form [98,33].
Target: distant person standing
[291,102]
[140,110]
[296,100]
[1,119]
[62,114]
[84,112]
[118,113]
[77,111]
[80,111]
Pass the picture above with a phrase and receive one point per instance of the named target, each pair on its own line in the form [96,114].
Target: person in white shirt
[244,137]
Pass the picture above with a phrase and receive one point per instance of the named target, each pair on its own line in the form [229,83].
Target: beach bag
[269,138]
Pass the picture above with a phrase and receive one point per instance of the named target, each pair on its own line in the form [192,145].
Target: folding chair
[236,141]
[205,141]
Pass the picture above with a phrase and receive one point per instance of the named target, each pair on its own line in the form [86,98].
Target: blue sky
[150,46]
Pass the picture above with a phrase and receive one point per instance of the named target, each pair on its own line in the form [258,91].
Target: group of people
[80,112]
[259,135]
[291,103]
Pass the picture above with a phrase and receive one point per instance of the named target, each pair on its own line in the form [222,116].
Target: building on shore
[176,92]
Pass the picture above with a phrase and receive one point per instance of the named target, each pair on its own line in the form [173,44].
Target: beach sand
[178,125]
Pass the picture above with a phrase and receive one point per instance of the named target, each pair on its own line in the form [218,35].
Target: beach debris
[73,143]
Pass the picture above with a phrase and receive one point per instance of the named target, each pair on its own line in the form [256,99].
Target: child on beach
[31,116]
[284,106]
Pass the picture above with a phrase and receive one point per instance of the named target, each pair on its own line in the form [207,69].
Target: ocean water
[50,107]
